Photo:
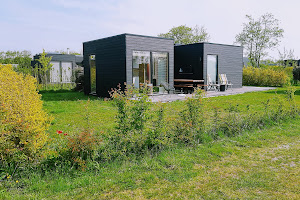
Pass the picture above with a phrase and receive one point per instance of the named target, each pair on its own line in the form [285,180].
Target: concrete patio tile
[180,97]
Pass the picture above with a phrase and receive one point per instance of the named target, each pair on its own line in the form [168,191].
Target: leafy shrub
[265,76]
[21,58]
[137,130]
[23,122]
[191,125]
[82,147]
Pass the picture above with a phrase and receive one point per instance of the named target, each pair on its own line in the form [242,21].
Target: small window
[93,73]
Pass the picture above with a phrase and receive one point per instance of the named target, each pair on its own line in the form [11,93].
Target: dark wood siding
[110,63]
[152,44]
[230,61]
[189,59]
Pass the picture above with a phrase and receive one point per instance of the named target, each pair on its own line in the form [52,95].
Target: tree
[258,36]
[21,58]
[42,68]
[187,35]
[287,58]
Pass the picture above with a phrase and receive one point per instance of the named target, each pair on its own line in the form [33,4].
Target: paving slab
[181,97]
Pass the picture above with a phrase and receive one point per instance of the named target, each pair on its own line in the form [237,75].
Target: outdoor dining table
[188,81]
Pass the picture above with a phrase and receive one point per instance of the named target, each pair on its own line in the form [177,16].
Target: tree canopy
[187,35]
[258,36]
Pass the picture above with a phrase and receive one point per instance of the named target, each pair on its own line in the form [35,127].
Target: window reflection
[93,73]
[160,68]
[141,68]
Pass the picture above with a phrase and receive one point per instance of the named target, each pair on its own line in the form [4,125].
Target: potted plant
[161,89]
[155,89]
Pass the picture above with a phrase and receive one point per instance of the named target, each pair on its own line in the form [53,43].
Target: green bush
[191,124]
[271,76]
[140,125]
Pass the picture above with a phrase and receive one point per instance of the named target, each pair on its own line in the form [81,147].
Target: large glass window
[212,67]
[141,71]
[66,72]
[55,72]
[160,68]
[93,73]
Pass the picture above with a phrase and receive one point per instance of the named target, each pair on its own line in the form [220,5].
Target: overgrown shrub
[140,126]
[266,76]
[191,125]
[23,121]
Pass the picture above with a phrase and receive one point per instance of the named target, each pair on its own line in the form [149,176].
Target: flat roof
[130,34]
[207,43]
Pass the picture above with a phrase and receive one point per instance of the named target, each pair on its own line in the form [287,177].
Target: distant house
[292,62]
[63,67]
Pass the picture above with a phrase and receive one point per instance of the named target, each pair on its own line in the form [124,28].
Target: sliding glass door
[144,71]
[160,68]
[141,71]
[212,67]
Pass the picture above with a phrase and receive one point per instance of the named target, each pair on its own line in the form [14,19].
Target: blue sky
[60,24]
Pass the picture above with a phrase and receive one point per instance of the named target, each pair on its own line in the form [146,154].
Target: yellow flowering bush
[265,76]
[23,122]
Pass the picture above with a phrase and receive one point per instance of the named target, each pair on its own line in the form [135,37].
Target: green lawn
[69,111]
[259,164]
[264,164]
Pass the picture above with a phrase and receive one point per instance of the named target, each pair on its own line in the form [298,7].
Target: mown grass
[69,111]
[263,164]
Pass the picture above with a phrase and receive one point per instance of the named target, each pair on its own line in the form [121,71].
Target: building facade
[63,67]
[196,61]
[127,58]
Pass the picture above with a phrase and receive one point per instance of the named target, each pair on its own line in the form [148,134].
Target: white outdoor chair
[168,87]
[211,84]
[224,81]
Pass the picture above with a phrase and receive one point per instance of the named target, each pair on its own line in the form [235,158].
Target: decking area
[180,97]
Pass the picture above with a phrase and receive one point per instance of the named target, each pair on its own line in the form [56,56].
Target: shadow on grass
[65,95]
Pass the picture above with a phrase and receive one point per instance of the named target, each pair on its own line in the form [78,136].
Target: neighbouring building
[195,61]
[63,67]
[134,59]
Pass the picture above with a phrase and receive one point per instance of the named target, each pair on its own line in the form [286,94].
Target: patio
[180,97]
